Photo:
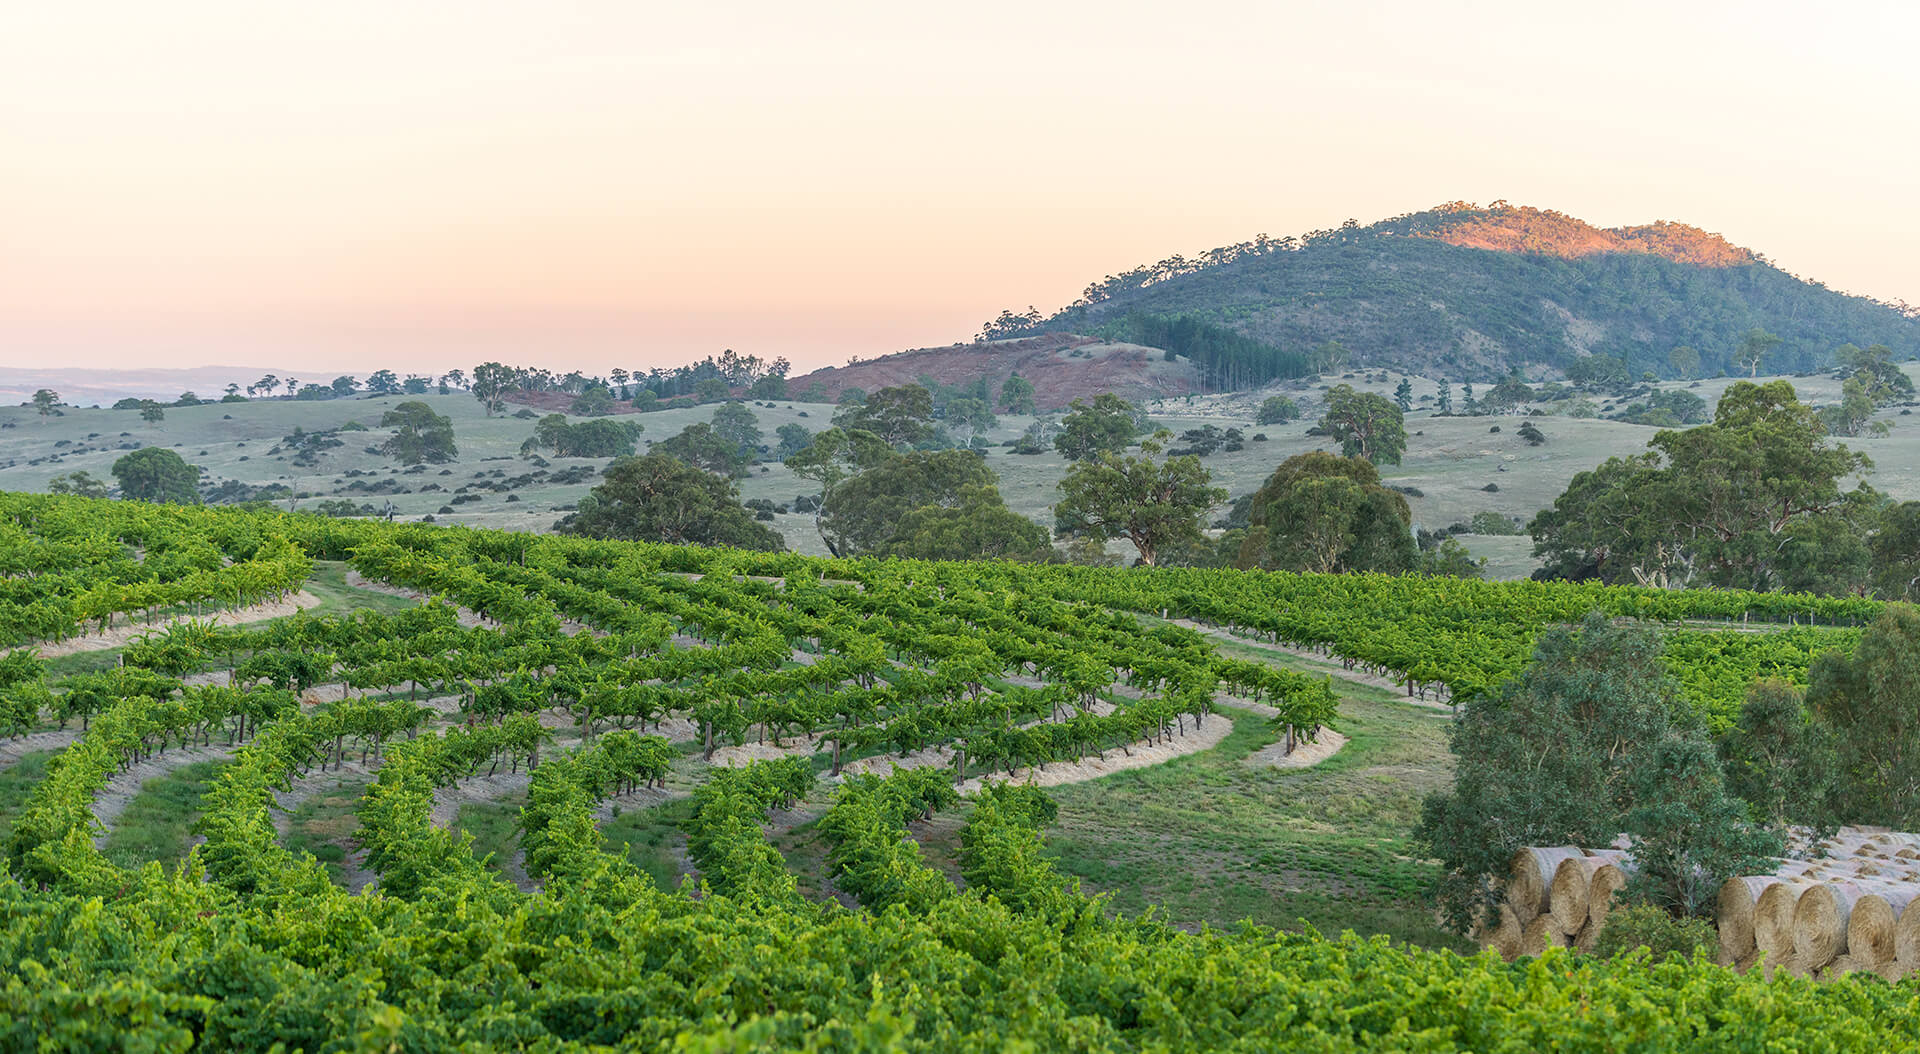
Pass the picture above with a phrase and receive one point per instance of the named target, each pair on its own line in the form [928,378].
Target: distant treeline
[1227,360]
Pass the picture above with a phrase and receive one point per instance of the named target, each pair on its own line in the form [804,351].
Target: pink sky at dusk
[420,185]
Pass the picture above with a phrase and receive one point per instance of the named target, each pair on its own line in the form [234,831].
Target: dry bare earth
[12,750]
[1326,744]
[121,636]
[1135,756]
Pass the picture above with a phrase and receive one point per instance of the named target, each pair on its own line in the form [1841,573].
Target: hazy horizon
[425,186]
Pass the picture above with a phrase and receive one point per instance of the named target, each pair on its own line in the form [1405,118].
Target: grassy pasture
[1451,461]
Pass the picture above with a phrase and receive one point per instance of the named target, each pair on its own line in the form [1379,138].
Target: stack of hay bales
[1843,910]
[1557,897]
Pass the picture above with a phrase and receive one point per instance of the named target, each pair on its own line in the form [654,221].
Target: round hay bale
[1505,935]
[1820,925]
[1820,921]
[1906,938]
[1584,940]
[1746,963]
[1734,914]
[1891,972]
[1569,895]
[1528,877]
[1541,934]
[1773,919]
[1608,879]
[1870,927]
[1841,967]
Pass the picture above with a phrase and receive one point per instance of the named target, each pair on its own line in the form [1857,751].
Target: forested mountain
[1467,292]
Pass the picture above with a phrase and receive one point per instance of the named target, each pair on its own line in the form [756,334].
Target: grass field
[1451,461]
[155,828]
[17,782]
[1212,840]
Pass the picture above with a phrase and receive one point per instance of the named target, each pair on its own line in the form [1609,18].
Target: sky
[419,185]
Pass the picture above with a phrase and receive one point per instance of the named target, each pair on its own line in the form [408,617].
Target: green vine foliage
[250,946]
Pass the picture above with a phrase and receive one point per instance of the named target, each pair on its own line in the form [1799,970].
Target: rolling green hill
[1469,293]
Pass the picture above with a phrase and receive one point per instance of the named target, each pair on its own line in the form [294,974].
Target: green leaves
[1153,504]
[1368,426]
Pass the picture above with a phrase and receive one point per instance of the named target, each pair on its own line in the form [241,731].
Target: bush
[1645,926]
[1486,522]
[1276,410]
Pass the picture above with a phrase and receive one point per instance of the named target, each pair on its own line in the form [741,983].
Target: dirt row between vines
[121,636]
[1331,666]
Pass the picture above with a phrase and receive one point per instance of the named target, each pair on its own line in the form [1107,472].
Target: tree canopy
[157,474]
[491,383]
[658,498]
[420,435]
[833,457]
[900,416]
[601,437]
[1324,513]
[1367,425]
[1591,739]
[793,439]
[859,516]
[1751,500]
[595,401]
[1107,425]
[1155,504]
[79,483]
[738,425]
[1870,702]
[976,526]
[1016,395]
[699,445]
[1276,410]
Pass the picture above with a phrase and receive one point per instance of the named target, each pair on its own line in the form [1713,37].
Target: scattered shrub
[1649,927]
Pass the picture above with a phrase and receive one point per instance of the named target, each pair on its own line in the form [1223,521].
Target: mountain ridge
[1472,293]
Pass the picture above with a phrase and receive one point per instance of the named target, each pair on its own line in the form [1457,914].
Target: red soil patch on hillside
[1549,233]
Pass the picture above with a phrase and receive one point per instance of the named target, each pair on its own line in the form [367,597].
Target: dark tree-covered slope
[1467,292]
